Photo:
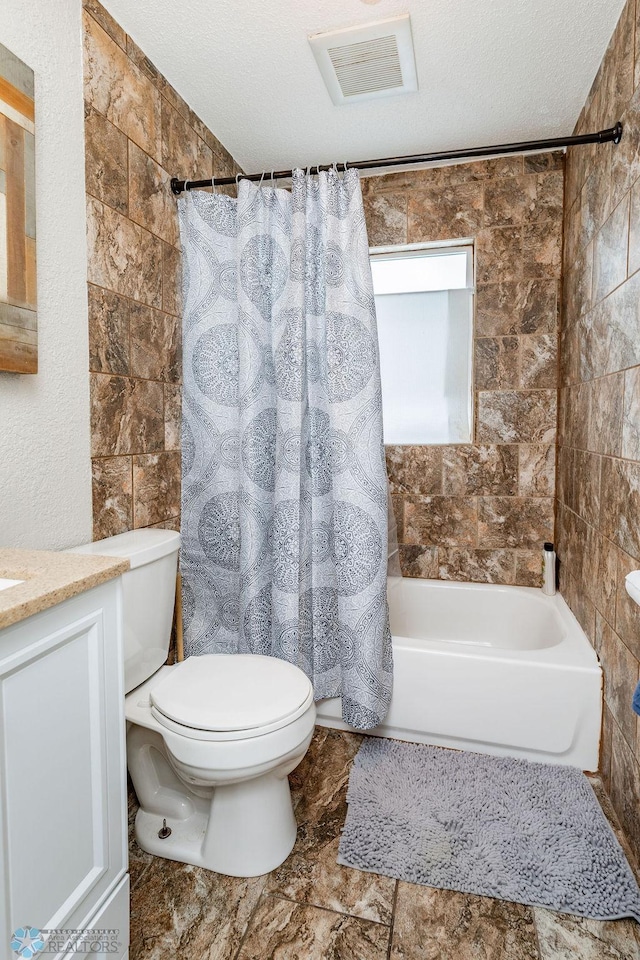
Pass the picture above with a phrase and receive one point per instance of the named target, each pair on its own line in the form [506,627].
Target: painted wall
[45,480]
[599,441]
[481,511]
[139,133]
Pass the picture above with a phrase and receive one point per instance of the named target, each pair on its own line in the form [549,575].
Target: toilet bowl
[210,740]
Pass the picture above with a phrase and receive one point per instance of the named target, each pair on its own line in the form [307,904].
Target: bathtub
[500,670]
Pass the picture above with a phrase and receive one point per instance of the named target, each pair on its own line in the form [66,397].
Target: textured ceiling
[489,71]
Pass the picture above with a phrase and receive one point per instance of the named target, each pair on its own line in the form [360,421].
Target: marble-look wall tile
[585,499]
[172,416]
[564,476]
[106,21]
[634,229]
[621,672]
[606,578]
[508,201]
[610,252]
[620,503]
[414,469]
[578,284]
[173,524]
[127,416]
[515,359]
[151,202]
[548,203]
[171,280]
[397,505]
[447,521]
[519,199]
[510,309]
[112,486]
[612,327]
[631,415]
[636,73]
[573,534]
[617,83]
[178,103]
[499,255]
[542,248]
[444,215]
[123,257]
[139,133]
[514,521]
[625,787]
[625,161]
[606,746]
[577,412]
[155,344]
[595,201]
[108,332]
[528,568]
[483,170]
[118,90]
[477,565]
[627,612]
[510,416]
[539,362]
[421,562]
[544,162]
[156,488]
[536,470]
[184,154]
[496,363]
[579,603]
[479,469]
[141,60]
[105,161]
[386,219]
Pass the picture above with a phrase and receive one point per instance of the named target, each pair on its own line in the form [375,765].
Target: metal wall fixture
[610,135]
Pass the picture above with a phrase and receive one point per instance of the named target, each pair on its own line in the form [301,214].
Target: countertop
[49,578]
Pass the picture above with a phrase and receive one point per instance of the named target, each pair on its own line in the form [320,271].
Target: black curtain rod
[612,134]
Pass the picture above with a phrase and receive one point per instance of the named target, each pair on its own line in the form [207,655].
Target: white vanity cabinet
[63,855]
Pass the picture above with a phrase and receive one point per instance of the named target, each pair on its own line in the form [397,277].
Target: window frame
[442,248]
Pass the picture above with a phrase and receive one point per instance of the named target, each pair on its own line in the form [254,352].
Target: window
[424,305]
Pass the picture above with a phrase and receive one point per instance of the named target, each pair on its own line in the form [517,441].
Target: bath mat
[527,832]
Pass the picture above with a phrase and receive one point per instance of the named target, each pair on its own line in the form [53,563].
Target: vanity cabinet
[63,823]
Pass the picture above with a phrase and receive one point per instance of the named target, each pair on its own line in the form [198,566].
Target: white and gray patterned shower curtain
[284,488]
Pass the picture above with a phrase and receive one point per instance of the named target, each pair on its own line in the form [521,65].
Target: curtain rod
[610,135]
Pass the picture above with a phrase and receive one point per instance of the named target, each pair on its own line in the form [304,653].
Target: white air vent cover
[364,63]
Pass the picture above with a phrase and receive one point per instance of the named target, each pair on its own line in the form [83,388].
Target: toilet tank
[149,588]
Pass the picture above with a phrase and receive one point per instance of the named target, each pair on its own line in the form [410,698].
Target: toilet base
[244,830]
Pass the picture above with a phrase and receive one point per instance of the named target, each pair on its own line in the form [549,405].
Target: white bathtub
[499,670]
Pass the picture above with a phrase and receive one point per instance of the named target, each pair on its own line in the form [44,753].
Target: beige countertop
[49,577]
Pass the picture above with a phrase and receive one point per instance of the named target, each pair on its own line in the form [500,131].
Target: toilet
[210,740]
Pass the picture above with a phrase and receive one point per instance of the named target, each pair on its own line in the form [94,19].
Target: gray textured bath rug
[527,832]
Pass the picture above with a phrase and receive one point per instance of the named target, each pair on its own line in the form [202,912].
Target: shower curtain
[284,487]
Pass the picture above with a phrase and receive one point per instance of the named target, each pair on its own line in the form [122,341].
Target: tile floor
[312,909]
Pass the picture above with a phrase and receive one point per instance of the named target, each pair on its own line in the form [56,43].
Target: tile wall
[139,133]
[599,423]
[481,511]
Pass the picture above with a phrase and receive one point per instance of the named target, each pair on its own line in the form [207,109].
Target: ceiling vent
[365,63]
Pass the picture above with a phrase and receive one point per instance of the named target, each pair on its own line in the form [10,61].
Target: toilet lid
[231,692]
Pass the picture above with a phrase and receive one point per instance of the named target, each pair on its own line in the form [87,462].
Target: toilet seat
[230,696]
